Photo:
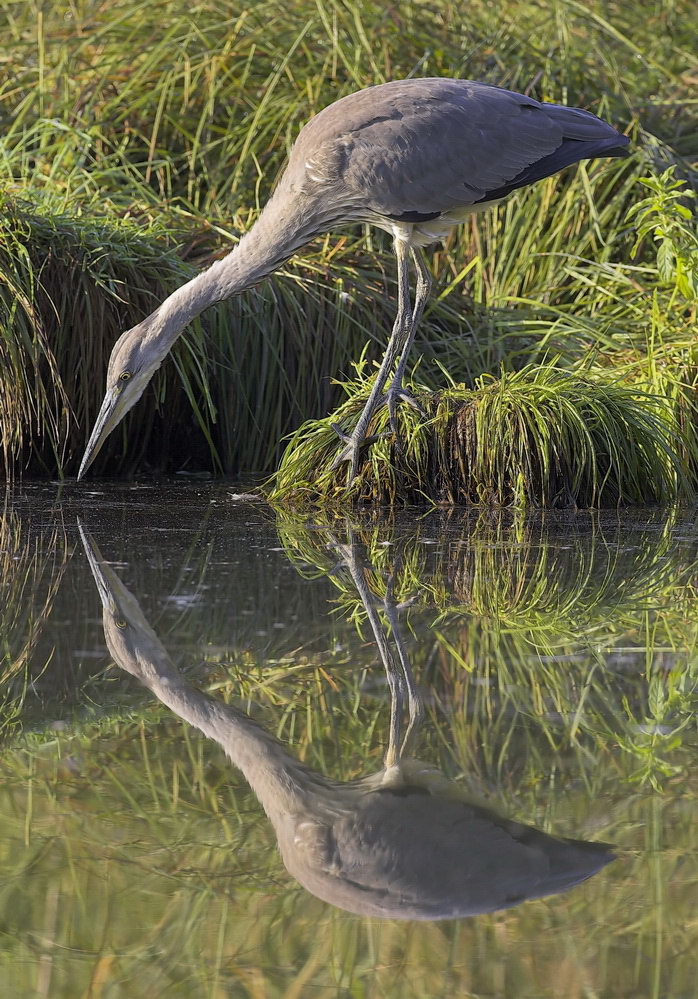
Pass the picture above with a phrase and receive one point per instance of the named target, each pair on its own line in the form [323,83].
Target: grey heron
[404,843]
[413,157]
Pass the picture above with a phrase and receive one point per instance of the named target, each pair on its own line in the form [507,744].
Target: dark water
[555,659]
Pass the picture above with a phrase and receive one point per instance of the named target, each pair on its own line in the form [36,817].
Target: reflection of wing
[407,854]
[427,146]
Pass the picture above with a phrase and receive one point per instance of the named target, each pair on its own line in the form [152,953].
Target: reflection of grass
[31,570]
[133,860]
[523,629]
[507,567]
[168,879]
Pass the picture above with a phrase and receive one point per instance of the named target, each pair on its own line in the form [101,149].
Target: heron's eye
[124,376]
[120,624]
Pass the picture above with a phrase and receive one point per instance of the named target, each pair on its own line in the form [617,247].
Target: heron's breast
[435,230]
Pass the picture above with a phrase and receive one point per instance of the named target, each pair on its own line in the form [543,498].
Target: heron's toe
[392,399]
[351,452]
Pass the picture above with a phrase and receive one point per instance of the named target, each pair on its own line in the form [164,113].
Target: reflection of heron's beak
[103,574]
[115,406]
[131,641]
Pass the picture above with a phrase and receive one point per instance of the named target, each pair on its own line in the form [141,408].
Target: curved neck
[283,227]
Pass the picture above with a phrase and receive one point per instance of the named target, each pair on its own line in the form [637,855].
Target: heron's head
[136,356]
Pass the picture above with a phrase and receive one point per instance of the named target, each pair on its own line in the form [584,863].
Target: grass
[139,128]
[62,276]
[536,437]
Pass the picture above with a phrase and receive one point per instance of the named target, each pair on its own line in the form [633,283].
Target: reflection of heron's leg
[392,671]
[408,684]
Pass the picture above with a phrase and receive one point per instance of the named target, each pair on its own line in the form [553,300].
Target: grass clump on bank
[69,284]
[540,436]
[128,131]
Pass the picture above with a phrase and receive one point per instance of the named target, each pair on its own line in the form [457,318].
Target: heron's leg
[399,337]
[396,393]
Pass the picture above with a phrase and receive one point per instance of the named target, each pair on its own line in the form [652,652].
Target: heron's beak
[109,415]
[115,406]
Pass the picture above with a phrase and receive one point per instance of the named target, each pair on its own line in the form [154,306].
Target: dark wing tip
[568,152]
[621,150]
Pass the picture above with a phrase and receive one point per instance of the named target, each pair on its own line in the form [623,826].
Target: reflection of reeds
[521,629]
[163,862]
[505,566]
[31,570]
[163,865]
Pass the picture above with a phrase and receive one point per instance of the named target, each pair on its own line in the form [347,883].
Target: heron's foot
[392,399]
[351,452]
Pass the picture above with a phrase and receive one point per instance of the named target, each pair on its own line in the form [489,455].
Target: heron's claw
[392,398]
[352,451]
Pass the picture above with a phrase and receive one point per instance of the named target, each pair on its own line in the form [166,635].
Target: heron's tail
[579,144]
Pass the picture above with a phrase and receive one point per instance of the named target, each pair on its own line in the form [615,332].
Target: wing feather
[432,145]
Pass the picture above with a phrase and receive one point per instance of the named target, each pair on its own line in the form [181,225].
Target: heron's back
[414,149]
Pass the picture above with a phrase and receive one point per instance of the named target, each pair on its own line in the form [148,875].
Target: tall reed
[146,127]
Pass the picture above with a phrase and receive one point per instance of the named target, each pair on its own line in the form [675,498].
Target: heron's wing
[427,146]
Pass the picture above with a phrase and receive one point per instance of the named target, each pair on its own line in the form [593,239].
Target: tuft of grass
[69,285]
[540,436]
[130,130]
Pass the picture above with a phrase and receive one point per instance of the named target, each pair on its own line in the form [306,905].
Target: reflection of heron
[414,157]
[402,843]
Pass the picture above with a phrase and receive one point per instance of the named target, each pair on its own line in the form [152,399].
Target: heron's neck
[282,228]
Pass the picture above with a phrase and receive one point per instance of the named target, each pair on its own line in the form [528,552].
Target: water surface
[555,656]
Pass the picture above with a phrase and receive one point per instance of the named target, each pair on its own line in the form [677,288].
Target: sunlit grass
[136,128]
[541,437]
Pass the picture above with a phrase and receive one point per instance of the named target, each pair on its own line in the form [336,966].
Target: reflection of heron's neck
[281,782]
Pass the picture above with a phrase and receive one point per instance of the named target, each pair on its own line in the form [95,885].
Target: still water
[248,754]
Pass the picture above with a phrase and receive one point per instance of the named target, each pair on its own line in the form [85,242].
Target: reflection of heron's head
[136,356]
[130,639]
